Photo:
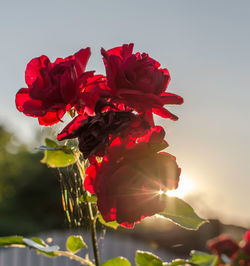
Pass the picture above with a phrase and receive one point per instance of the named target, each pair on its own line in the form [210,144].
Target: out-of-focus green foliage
[144,258]
[119,261]
[30,199]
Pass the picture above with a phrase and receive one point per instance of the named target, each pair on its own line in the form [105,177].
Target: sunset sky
[204,44]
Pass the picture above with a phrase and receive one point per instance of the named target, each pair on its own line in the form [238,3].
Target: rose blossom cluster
[238,254]
[114,121]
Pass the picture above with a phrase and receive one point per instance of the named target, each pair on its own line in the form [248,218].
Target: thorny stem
[92,220]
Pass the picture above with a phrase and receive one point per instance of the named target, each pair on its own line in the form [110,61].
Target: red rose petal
[68,131]
[21,97]
[247,236]
[81,60]
[33,108]
[171,98]
[90,177]
[33,68]
[123,51]
[161,111]
[51,118]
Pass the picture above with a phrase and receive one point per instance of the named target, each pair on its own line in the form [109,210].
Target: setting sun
[184,188]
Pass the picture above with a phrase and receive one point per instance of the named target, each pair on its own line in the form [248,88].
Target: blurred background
[204,45]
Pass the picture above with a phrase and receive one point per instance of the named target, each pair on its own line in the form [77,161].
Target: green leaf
[91,198]
[38,241]
[144,258]
[112,224]
[119,261]
[11,240]
[34,242]
[44,148]
[81,199]
[41,242]
[36,245]
[181,262]
[75,243]
[181,213]
[59,156]
[51,143]
[203,259]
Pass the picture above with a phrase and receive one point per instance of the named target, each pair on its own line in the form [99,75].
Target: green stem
[74,257]
[80,169]
[92,220]
[93,235]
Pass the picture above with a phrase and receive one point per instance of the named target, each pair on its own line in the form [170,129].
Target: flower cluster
[236,254]
[114,121]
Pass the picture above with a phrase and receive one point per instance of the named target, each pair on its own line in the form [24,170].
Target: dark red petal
[170,98]
[33,108]
[81,60]
[167,75]
[51,118]
[148,116]
[21,97]
[86,79]
[67,85]
[156,134]
[33,68]
[149,99]
[153,62]
[161,111]
[170,175]
[127,50]
[123,51]
[68,131]
[154,138]
[134,198]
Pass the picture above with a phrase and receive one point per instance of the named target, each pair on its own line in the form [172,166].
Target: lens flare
[185,187]
[160,192]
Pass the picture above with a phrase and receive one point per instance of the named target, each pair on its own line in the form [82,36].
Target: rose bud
[223,245]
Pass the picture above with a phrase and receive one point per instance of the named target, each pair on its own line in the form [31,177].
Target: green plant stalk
[92,220]
[93,235]
[74,257]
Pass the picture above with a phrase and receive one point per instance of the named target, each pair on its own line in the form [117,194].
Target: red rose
[53,88]
[92,91]
[137,81]
[247,236]
[129,179]
[95,133]
[223,245]
[246,243]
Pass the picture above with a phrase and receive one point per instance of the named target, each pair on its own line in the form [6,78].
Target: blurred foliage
[30,197]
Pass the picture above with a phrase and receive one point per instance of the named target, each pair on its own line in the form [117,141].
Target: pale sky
[204,44]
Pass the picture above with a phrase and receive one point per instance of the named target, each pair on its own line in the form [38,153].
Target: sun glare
[184,188]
